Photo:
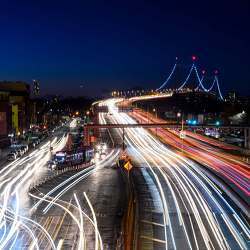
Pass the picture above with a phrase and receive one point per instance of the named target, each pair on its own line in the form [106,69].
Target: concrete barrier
[57,173]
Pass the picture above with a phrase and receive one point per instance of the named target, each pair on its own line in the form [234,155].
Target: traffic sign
[183,134]
[128,166]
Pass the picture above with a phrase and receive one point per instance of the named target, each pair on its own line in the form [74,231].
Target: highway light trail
[228,165]
[196,210]
[16,179]
[77,178]
[206,218]
[95,223]
[82,236]
[67,207]
[64,187]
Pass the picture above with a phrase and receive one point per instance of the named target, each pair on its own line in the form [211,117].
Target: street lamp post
[178,116]
[155,111]
[148,114]
[182,132]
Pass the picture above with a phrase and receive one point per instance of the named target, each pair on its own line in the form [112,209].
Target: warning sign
[128,166]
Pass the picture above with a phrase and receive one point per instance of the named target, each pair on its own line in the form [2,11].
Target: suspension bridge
[193,70]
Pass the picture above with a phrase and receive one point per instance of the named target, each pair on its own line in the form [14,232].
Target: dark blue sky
[121,44]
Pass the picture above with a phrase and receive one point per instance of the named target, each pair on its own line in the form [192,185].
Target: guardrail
[57,173]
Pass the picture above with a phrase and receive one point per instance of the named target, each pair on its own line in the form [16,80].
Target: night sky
[105,45]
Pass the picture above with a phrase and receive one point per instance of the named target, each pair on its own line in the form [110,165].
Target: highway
[196,213]
[16,178]
[214,154]
[182,201]
[79,208]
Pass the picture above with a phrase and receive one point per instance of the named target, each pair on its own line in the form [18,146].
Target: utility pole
[182,134]
[123,139]
[148,113]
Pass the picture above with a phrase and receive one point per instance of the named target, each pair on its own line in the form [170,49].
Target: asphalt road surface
[103,186]
[196,213]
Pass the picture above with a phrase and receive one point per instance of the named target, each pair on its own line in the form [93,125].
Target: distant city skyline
[77,48]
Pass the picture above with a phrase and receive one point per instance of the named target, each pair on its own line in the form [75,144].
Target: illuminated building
[14,107]
[36,88]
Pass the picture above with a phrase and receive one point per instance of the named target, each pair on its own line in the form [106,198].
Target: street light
[182,132]
[155,111]
[217,123]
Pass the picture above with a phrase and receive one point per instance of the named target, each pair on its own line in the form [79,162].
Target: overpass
[124,126]
[162,125]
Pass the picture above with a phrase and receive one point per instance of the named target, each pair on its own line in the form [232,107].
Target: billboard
[3,123]
[15,117]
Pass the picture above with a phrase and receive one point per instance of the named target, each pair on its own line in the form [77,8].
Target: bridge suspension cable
[187,78]
[218,87]
[169,77]
[200,79]
[212,85]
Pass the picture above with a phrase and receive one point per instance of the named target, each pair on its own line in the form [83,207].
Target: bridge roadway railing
[164,125]
[246,129]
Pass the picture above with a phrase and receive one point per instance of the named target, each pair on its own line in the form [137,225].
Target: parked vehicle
[11,156]
[19,149]
[35,140]
[25,148]
[51,164]
[20,152]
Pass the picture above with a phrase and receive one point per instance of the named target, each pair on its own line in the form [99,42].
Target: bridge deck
[155,125]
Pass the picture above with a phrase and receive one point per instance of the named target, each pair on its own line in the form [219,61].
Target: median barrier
[129,221]
[57,173]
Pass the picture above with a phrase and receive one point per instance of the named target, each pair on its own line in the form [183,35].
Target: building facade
[14,108]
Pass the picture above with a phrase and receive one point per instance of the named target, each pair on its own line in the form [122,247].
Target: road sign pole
[123,139]
[129,188]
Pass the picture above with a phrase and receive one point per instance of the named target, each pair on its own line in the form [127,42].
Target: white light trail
[107,160]
[194,189]
[95,223]
[14,179]
[82,237]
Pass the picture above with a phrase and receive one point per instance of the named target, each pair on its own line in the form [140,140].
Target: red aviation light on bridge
[194,58]
[216,72]
[203,72]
